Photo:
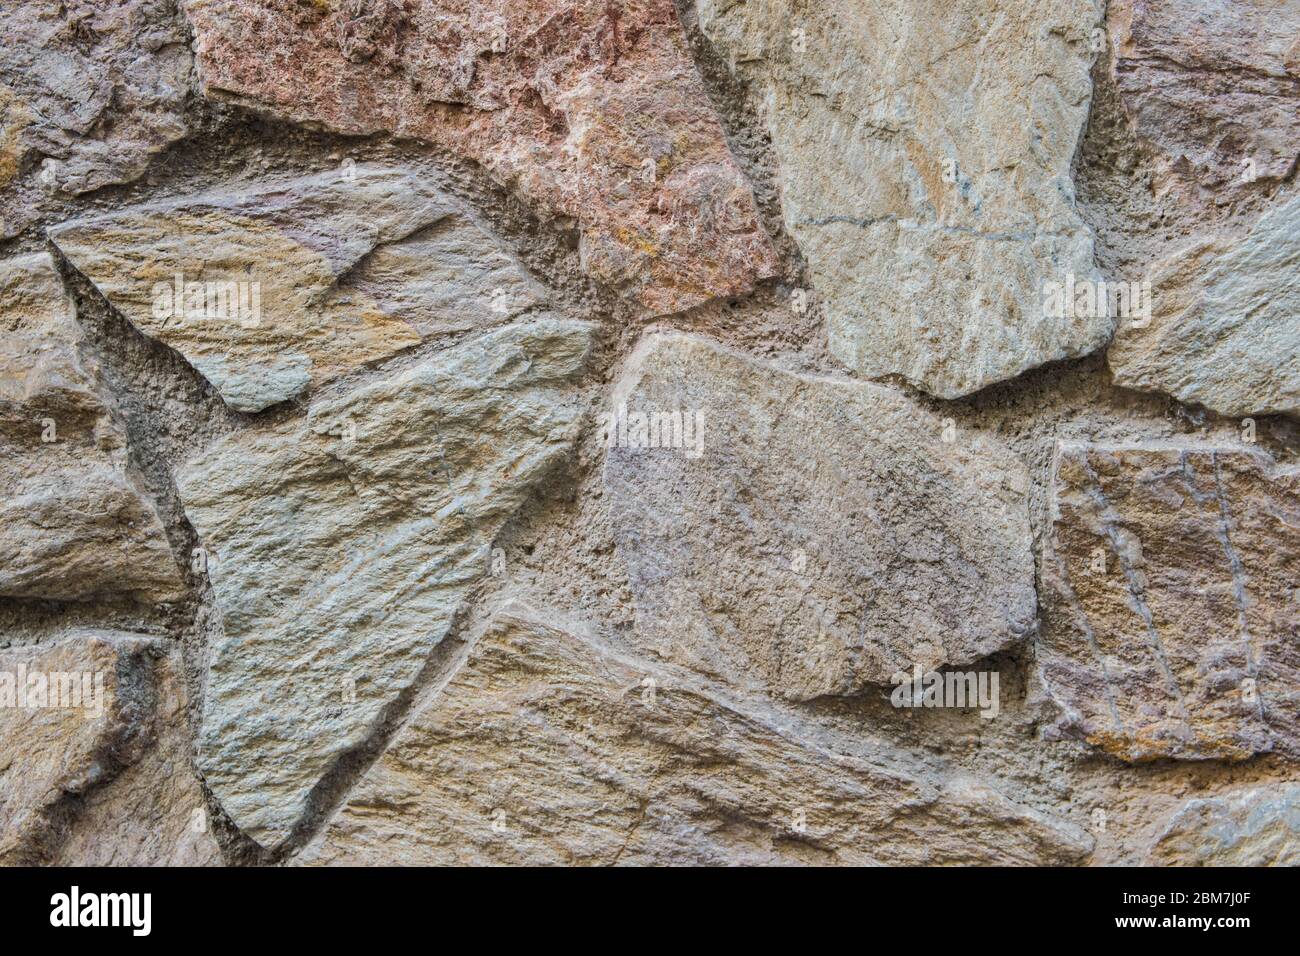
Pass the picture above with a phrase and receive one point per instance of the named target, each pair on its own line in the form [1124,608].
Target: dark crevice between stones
[135,709]
[337,784]
[747,137]
[444,660]
[169,410]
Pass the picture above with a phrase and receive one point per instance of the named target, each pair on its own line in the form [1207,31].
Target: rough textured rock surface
[89,91]
[472,230]
[1256,827]
[94,762]
[1171,625]
[1212,87]
[1225,325]
[547,746]
[270,291]
[821,536]
[591,111]
[74,522]
[925,152]
[342,546]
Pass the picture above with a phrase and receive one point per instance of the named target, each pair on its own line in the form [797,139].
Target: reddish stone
[591,109]
[1212,86]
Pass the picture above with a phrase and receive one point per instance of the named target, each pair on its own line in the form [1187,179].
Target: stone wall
[627,431]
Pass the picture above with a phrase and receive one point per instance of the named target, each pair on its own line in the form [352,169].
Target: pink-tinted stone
[1212,85]
[590,109]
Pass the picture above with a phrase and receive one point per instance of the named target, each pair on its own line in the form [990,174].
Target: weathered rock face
[549,747]
[73,520]
[271,291]
[925,151]
[1171,627]
[591,111]
[94,762]
[1255,827]
[153,813]
[89,91]
[342,546]
[388,433]
[1225,325]
[1212,87]
[814,535]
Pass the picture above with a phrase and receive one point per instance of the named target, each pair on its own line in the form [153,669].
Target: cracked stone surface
[94,766]
[74,520]
[865,542]
[1212,88]
[1225,323]
[89,91]
[275,290]
[549,746]
[925,150]
[545,432]
[1259,826]
[1171,624]
[591,111]
[342,546]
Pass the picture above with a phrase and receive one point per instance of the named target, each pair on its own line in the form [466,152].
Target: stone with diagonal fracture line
[819,534]
[273,290]
[591,111]
[925,150]
[549,746]
[343,545]
[1171,619]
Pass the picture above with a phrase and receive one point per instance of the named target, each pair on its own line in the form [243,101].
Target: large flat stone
[342,545]
[1257,826]
[348,268]
[1212,88]
[94,755]
[925,150]
[822,536]
[1225,323]
[550,747]
[89,91]
[74,520]
[1171,625]
[592,112]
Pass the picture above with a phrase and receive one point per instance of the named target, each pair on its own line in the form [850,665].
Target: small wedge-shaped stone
[1171,624]
[547,746]
[592,111]
[1259,826]
[340,547]
[1212,87]
[94,755]
[74,522]
[270,291]
[1225,323]
[814,535]
[925,150]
